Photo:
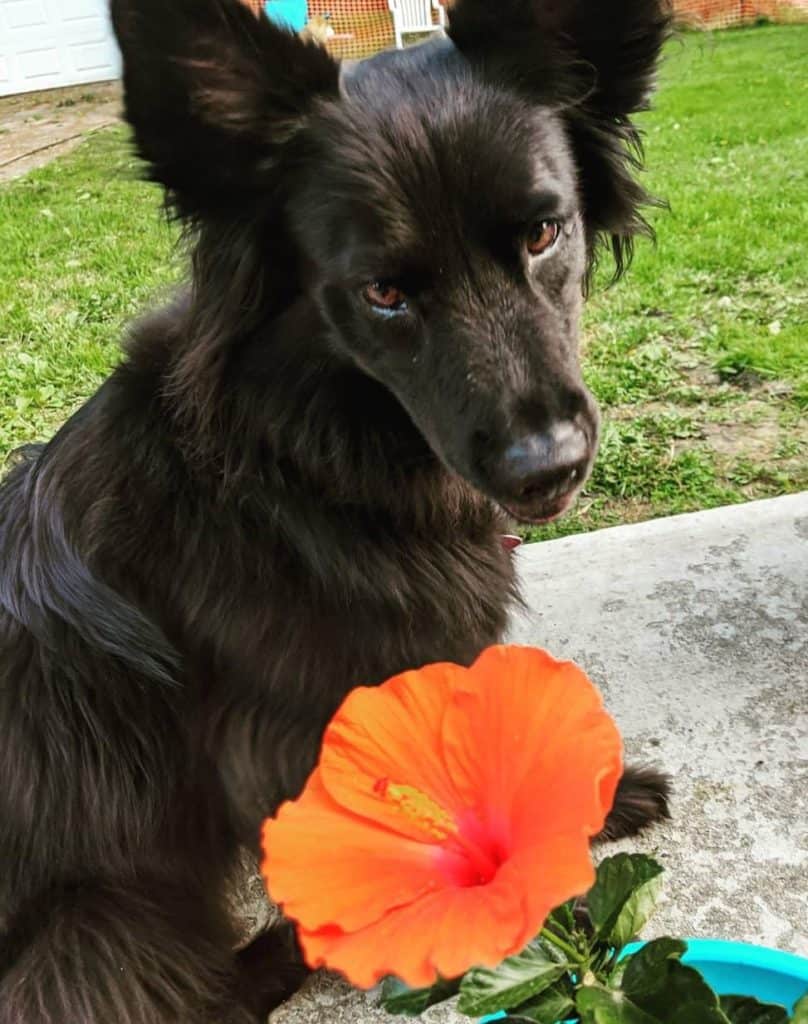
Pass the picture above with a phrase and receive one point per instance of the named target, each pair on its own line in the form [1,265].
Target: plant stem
[573,954]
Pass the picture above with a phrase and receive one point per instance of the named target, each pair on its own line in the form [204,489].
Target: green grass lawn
[84,247]
[699,356]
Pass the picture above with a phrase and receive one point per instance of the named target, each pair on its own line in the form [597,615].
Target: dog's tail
[642,799]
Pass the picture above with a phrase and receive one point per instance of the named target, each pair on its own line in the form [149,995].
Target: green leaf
[614,977]
[801,1011]
[606,1006]
[624,896]
[550,1007]
[697,1013]
[516,980]
[648,964]
[669,985]
[745,1010]
[398,998]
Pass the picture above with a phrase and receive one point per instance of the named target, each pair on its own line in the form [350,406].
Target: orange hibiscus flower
[450,812]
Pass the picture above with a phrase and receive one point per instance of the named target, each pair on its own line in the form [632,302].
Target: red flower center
[474,855]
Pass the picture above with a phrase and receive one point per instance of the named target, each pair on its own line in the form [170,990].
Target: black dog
[293,484]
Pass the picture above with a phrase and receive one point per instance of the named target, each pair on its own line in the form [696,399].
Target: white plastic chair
[416,16]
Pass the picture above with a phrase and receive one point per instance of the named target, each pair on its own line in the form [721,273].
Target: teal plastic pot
[736,968]
[292,14]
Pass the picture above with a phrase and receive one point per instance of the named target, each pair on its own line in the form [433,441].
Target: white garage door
[45,44]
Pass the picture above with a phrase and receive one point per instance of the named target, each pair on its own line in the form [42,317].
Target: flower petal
[552,870]
[574,789]
[448,932]
[529,746]
[326,865]
[445,933]
[391,734]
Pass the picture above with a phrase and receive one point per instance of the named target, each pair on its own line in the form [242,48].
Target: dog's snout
[545,464]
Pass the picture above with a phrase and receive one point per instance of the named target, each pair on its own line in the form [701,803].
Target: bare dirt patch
[39,126]
[757,435]
[754,433]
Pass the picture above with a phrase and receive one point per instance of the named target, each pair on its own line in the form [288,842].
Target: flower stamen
[418,807]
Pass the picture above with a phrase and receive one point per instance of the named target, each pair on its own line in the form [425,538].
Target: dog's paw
[642,800]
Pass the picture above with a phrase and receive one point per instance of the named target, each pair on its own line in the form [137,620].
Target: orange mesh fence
[361,27]
[730,13]
[357,28]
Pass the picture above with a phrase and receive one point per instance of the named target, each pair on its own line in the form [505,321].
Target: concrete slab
[37,127]
[696,628]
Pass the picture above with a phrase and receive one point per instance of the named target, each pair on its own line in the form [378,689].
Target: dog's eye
[386,296]
[542,236]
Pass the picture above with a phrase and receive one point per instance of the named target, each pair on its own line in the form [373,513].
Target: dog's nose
[545,465]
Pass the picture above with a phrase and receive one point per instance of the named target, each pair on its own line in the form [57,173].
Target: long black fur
[282,493]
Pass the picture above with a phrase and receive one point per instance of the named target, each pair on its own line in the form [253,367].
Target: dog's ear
[603,50]
[214,94]
[595,61]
